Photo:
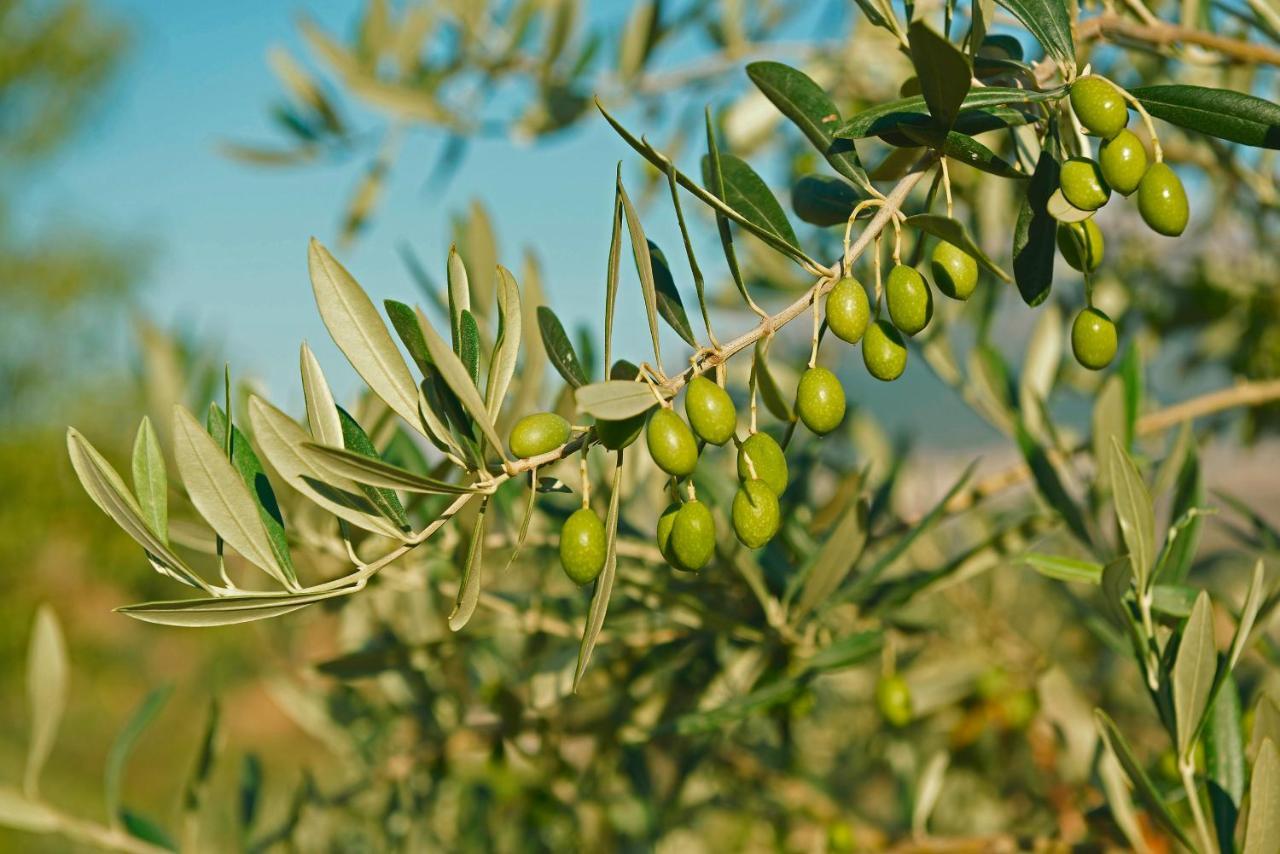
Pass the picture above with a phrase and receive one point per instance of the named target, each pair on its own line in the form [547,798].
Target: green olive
[756,515]
[848,310]
[1093,339]
[883,351]
[767,459]
[1082,184]
[1099,105]
[910,300]
[671,443]
[1123,161]
[665,523]
[582,546]
[820,400]
[537,434]
[955,271]
[693,537]
[710,411]
[1073,236]
[893,699]
[1162,201]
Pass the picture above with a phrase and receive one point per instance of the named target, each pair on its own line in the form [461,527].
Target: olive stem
[585,479]
[946,185]
[1157,153]
[875,258]
[813,343]
[1186,770]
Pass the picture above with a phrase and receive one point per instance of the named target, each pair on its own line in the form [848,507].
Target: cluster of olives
[1086,184]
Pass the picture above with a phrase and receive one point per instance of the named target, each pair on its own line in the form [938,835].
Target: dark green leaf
[405,321]
[670,305]
[1035,234]
[1224,763]
[748,194]
[1050,22]
[698,283]
[469,345]
[943,71]
[1228,115]
[358,442]
[980,110]
[1188,494]
[964,149]
[250,790]
[472,574]
[559,348]
[713,177]
[823,199]
[141,827]
[955,233]
[809,108]
[770,392]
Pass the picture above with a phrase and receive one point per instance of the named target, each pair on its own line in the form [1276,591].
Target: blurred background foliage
[367,725]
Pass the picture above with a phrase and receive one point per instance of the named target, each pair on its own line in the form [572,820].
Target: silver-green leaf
[46,692]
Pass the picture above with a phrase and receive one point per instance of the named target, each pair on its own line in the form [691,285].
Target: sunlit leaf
[458,380]
[228,610]
[360,468]
[506,350]
[322,412]
[150,481]
[1262,831]
[472,575]
[1193,671]
[1134,513]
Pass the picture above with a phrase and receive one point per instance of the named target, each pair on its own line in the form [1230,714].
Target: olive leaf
[1193,672]
[360,334]
[1223,113]
[670,306]
[698,284]
[1224,762]
[611,277]
[150,481]
[358,442]
[1134,513]
[458,380]
[1035,233]
[1107,421]
[108,491]
[506,350]
[1266,723]
[376,472]
[810,109]
[245,461]
[1142,784]
[124,743]
[1063,568]
[964,149]
[770,391]
[228,610]
[644,268]
[405,321]
[1050,22]
[836,558]
[614,400]
[604,582]
[282,441]
[943,71]
[1049,483]
[713,176]
[459,290]
[982,107]
[1262,831]
[469,346]
[559,348]
[823,200]
[472,574]
[955,233]
[47,670]
[1248,615]
[322,411]
[1183,540]
[748,194]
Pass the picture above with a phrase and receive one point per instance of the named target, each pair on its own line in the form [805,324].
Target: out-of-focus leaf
[506,350]
[559,348]
[1050,22]
[638,37]
[1050,485]
[147,829]
[1193,672]
[227,610]
[1262,831]
[1229,115]
[360,334]
[770,392]
[604,583]
[943,71]
[614,400]
[1184,540]
[1116,787]
[928,790]
[1266,724]
[611,279]
[1063,211]
[1224,763]
[150,481]
[1108,425]
[810,109]
[472,574]
[123,746]
[245,460]
[1065,568]
[1035,233]
[1142,784]
[1134,513]
[1248,614]
[47,669]
[670,305]
[837,557]
[954,233]
[197,785]
[1040,368]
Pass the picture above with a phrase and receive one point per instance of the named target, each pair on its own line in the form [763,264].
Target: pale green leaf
[47,671]
[123,746]
[1134,513]
[644,268]
[322,411]
[1262,832]
[228,610]
[359,468]
[614,400]
[837,557]
[150,481]
[459,295]
[506,350]
[1065,568]
[459,381]
[1142,784]
[472,575]
[1193,672]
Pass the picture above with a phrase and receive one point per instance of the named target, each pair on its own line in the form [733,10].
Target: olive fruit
[693,537]
[883,351]
[893,699]
[767,459]
[1077,237]
[1123,161]
[1082,184]
[910,300]
[665,523]
[848,310]
[537,434]
[671,443]
[1099,106]
[756,515]
[1162,201]
[710,411]
[1093,339]
[820,400]
[582,546]
[955,272]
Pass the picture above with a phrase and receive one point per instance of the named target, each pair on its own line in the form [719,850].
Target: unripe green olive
[537,434]
[909,298]
[671,443]
[693,537]
[955,271]
[848,310]
[883,351]
[1072,236]
[1162,201]
[767,460]
[1093,339]
[1082,184]
[820,400]
[665,523]
[893,699]
[1099,106]
[582,546]
[710,411]
[756,515]
[1123,161]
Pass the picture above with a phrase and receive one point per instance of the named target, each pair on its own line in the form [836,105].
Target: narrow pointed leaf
[614,400]
[459,296]
[1035,234]
[123,746]
[506,350]
[150,481]
[322,412]
[1049,483]
[358,442]
[1193,672]
[1064,568]
[670,306]
[47,670]
[837,557]
[1224,763]
[1229,115]
[1142,784]
[644,268]
[611,277]
[914,111]
[1134,513]
[227,610]
[943,71]
[458,381]
[472,575]
[1262,831]
[363,469]
[748,194]
[604,583]
[1050,22]
[559,348]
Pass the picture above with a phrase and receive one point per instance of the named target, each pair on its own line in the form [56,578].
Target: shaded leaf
[614,400]
[943,71]
[1229,115]
[559,348]
[670,305]
[748,194]
[982,104]
[1138,777]
[1224,763]
[458,380]
[1035,234]
[123,746]
[836,558]
[1050,22]
[358,442]
[1050,485]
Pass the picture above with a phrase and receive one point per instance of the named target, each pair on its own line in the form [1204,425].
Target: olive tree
[757,636]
